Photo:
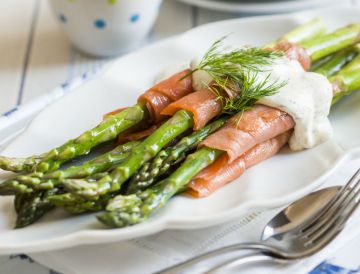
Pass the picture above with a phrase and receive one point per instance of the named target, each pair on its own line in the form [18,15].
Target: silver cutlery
[300,230]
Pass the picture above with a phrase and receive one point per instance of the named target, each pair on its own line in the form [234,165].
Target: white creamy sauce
[306,97]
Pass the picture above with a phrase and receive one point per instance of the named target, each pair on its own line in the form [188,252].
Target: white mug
[106,27]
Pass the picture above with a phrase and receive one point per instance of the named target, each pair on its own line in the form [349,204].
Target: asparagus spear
[20,199]
[311,29]
[77,206]
[129,210]
[112,182]
[19,164]
[14,187]
[40,181]
[306,32]
[169,157]
[337,61]
[330,43]
[347,80]
[132,209]
[32,207]
[107,130]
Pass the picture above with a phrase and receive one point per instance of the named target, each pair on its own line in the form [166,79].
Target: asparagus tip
[80,187]
[12,164]
[13,187]
[118,219]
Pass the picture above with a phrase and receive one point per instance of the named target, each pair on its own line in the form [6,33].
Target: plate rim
[83,237]
[263,7]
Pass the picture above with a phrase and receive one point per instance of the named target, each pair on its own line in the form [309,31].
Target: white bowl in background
[106,27]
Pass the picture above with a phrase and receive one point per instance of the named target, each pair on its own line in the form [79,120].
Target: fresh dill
[235,75]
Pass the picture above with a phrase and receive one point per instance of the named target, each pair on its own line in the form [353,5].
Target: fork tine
[326,224]
[338,198]
[337,228]
[337,206]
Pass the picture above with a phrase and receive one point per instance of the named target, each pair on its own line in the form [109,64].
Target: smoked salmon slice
[249,128]
[294,52]
[203,104]
[112,113]
[162,94]
[138,134]
[222,172]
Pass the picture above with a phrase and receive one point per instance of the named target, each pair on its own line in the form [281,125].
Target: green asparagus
[129,210]
[176,125]
[330,43]
[312,29]
[13,187]
[345,83]
[169,157]
[32,207]
[308,31]
[337,61]
[40,181]
[77,206]
[132,209]
[107,130]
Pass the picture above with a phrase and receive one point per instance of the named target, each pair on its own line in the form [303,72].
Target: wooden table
[36,56]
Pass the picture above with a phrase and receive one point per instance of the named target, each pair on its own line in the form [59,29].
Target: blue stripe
[328,268]
[10,112]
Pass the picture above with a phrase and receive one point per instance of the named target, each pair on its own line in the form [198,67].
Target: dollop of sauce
[306,96]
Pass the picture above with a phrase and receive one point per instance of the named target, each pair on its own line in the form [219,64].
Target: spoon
[289,219]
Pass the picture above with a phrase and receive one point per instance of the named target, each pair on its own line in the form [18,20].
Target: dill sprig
[236,72]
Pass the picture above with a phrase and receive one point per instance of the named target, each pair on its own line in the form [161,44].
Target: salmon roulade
[294,52]
[138,133]
[249,128]
[203,104]
[222,172]
[164,93]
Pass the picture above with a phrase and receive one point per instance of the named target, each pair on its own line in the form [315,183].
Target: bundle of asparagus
[153,173]
[132,209]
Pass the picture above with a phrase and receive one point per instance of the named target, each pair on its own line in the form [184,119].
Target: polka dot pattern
[62,18]
[100,23]
[134,18]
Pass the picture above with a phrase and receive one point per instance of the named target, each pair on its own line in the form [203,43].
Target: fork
[314,235]
[304,241]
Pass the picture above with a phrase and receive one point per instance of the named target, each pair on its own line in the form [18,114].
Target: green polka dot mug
[106,27]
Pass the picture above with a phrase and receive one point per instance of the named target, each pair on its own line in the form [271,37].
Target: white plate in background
[264,6]
[271,184]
